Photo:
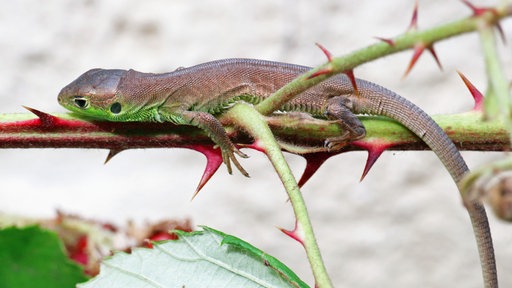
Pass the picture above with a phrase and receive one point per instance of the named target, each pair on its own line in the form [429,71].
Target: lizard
[196,95]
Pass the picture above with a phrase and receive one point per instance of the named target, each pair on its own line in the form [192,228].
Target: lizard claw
[240,153]
[336,143]
[239,167]
[229,156]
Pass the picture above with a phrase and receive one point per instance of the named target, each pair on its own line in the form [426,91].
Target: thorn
[296,234]
[326,52]
[350,75]
[390,42]
[213,162]
[373,155]
[477,11]
[326,70]
[477,95]
[256,145]
[430,49]
[414,18]
[502,34]
[46,119]
[418,50]
[111,154]
[419,47]
[375,149]
[471,6]
[322,71]
[313,163]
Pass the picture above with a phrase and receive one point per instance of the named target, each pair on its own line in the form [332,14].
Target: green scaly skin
[195,95]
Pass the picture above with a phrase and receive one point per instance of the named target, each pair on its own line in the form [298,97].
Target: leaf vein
[224,265]
[133,274]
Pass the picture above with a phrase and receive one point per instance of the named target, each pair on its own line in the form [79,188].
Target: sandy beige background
[404,226]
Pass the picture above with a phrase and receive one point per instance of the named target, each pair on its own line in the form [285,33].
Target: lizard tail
[377,100]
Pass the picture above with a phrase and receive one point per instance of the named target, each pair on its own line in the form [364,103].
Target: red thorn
[46,119]
[213,162]
[296,234]
[502,34]
[326,52]
[375,149]
[322,71]
[313,163]
[471,6]
[111,154]
[418,50]
[256,145]
[477,11]
[477,95]
[414,18]
[350,75]
[430,49]
[373,155]
[390,42]
[326,70]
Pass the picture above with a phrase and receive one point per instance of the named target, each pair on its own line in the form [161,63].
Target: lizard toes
[334,144]
[228,157]
[225,159]
[239,166]
[327,143]
[240,153]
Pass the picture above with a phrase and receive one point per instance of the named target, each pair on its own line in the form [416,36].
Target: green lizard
[195,95]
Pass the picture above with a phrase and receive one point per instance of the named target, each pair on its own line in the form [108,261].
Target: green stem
[350,61]
[467,130]
[498,85]
[254,123]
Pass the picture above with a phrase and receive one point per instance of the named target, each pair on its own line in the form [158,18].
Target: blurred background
[403,226]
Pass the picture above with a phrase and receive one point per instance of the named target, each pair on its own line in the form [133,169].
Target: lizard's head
[94,94]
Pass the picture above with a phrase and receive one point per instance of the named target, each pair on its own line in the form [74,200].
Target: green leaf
[269,261]
[33,257]
[207,258]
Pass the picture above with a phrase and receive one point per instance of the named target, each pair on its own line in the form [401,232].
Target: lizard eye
[81,102]
[115,108]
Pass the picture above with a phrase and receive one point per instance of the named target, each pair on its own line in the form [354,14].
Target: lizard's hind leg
[338,109]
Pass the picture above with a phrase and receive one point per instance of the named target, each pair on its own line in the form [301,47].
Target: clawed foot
[228,156]
[332,144]
[337,143]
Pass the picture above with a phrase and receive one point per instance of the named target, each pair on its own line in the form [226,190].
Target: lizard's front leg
[339,108]
[213,129]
